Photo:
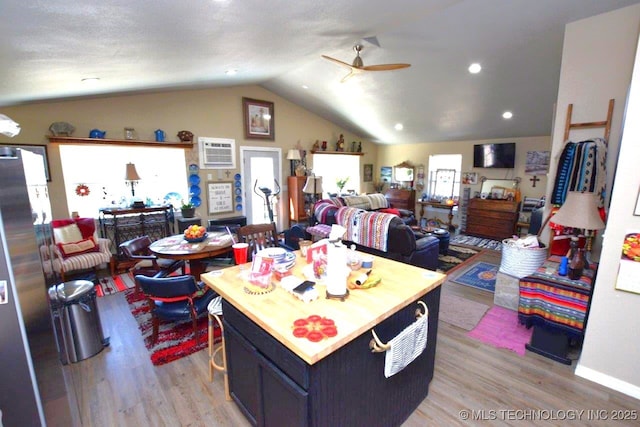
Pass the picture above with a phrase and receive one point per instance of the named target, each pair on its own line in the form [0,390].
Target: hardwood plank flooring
[120,386]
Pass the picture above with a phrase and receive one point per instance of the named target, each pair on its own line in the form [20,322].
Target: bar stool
[215,311]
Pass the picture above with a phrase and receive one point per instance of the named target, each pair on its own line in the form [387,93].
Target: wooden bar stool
[215,310]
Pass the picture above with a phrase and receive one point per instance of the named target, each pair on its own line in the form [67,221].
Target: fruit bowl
[196,239]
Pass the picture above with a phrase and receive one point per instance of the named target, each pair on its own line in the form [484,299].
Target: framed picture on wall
[469,178]
[259,121]
[367,173]
[220,197]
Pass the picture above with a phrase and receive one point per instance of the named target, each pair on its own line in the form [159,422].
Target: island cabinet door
[266,395]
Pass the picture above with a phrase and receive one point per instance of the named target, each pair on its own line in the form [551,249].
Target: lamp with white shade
[580,212]
[293,156]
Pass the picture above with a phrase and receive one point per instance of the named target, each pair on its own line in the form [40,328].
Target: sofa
[325,209]
[384,234]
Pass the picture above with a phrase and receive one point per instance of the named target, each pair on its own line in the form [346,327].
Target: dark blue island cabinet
[279,380]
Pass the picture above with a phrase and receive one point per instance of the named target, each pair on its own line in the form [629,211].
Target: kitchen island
[278,379]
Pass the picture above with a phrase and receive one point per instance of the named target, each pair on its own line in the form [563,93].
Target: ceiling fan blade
[385,67]
[337,61]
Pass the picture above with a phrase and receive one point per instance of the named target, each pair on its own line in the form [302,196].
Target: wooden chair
[259,236]
[147,264]
[175,298]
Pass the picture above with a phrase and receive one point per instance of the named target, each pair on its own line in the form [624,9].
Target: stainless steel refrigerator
[32,383]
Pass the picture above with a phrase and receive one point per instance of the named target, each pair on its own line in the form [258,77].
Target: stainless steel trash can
[76,320]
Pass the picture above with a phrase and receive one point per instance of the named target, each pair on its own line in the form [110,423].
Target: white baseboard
[608,381]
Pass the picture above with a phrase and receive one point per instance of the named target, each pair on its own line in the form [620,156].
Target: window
[102,170]
[444,176]
[334,167]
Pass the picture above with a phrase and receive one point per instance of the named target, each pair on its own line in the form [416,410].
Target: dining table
[196,254]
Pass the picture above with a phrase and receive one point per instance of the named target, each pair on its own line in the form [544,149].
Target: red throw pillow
[395,212]
[77,248]
[87,227]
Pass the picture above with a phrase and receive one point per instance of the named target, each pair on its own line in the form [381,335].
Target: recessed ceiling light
[507,115]
[231,72]
[399,126]
[475,68]
[90,80]
[305,87]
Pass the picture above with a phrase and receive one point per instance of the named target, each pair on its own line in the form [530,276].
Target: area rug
[480,242]
[455,256]
[111,285]
[461,312]
[175,339]
[481,275]
[500,328]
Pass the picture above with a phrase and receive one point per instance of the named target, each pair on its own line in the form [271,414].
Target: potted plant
[188,210]
[341,182]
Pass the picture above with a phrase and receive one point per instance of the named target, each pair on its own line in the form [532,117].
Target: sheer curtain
[101,169]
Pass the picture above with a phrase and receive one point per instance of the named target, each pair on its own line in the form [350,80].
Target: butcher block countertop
[363,309]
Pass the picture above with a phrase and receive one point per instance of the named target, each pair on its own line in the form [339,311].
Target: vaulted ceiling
[48,47]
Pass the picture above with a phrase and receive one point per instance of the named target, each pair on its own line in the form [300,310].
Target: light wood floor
[120,386]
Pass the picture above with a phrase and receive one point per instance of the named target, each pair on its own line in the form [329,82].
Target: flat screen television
[494,155]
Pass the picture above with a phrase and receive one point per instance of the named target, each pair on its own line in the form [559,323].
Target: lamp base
[138,204]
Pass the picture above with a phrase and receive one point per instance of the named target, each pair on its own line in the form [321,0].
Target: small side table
[184,223]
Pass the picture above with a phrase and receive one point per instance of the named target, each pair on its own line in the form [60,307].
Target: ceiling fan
[357,66]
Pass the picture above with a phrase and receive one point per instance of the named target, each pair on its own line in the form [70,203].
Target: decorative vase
[188,212]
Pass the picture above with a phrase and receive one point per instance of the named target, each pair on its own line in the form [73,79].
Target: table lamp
[132,177]
[580,212]
[293,156]
[313,186]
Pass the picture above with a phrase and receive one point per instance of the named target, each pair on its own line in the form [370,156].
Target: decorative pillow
[79,247]
[390,211]
[87,227]
[66,232]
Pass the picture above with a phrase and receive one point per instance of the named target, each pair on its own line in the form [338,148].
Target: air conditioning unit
[217,153]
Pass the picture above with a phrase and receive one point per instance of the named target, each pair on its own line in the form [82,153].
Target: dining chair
[147,264]
[175,298]
[258,236]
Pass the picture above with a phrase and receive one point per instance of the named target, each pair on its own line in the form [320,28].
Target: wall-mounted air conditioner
[217,153]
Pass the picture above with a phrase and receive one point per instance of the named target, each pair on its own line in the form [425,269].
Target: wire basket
[520,262]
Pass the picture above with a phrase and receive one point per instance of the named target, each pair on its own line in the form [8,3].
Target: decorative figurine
[360,147]
[324,145]
[316,146]
[185,136]
[353,146]
[340,143]
[61,129]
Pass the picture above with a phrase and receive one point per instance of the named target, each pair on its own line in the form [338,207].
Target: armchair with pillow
[75,247]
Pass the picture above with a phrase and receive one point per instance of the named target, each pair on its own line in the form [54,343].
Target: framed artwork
[385,173]
[469,178]
[37,149]
[220,197]
[367,173]
[258,119]
[537,162]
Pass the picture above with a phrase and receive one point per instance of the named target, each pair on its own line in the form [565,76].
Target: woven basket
[520,262]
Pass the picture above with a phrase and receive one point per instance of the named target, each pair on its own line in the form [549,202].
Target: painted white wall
[597,64]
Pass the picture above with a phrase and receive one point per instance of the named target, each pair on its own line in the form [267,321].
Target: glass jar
[577,263]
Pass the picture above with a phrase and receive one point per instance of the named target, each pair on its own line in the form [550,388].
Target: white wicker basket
[520,262]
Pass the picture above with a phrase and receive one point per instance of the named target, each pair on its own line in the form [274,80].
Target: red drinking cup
[240,251]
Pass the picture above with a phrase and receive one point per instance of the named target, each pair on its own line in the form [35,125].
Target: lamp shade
[293,154]
[131,173]
[580,210]
[313,185]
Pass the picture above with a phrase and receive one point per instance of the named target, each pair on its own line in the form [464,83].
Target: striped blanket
[378,201]
[369,229]
[582,167]
[552,300]
[362,202]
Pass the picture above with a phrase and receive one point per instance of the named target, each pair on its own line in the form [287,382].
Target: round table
[176,247]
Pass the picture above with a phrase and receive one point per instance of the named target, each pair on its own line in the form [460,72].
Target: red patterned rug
[110,285]
[175,339]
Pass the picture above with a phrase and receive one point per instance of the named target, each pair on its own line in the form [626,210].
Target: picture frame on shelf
[259,120]
[37,149]
[469,178]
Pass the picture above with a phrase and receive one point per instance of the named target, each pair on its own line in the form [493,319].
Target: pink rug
[500,328]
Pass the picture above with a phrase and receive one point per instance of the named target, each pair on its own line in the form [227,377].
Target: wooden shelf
[105,141]
[348,153]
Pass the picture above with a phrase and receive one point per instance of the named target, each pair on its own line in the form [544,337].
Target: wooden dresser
[401,199]
[297,208]
[493,219]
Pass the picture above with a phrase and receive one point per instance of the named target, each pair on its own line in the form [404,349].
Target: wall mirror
[403,172]
[498,188]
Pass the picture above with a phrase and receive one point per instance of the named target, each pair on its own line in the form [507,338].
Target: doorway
[260,168]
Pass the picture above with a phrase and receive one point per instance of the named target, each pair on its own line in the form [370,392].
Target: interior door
[260,168]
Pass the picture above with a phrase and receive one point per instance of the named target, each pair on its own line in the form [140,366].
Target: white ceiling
[48,46]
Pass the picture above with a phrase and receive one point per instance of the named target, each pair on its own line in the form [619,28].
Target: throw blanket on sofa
[369,229]
[378,201]
[362,202]
[323,207]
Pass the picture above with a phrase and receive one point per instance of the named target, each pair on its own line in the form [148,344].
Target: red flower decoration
[82,190]
[314,328]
